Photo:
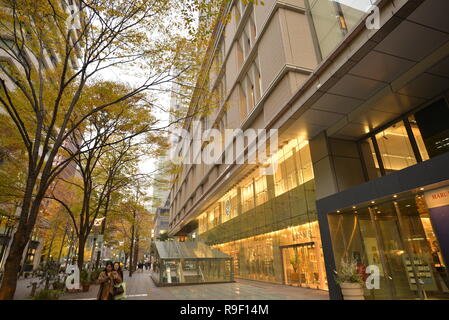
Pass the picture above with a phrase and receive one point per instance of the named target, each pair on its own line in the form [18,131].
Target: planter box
[352,291]
[86,287]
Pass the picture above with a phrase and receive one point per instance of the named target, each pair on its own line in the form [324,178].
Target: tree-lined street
[141,287]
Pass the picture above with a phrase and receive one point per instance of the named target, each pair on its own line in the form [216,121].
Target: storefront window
[396,237]
[291,256]
[395,148]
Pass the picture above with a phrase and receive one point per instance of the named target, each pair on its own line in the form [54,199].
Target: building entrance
[397,237]
[301,265]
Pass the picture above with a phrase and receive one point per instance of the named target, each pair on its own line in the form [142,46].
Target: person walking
[119,287]
[108,279]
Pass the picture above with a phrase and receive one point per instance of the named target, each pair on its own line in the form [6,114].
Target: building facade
[359,96]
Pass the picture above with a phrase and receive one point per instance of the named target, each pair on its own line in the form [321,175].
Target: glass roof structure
[187,250]
[178,263]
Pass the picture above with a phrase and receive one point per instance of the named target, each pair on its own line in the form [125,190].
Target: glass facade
[264,218]
[333,19]
[416,138]
[189,263]
[395,148]
[292,256]
[397,237]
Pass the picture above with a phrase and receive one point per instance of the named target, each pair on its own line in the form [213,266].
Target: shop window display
[396,237]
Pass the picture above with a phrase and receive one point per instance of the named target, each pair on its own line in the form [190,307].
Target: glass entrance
[397,237]
[301,266]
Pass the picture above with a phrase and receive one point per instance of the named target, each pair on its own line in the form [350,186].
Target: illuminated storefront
[291,256]
[398,220]
[397,236]
[268,223]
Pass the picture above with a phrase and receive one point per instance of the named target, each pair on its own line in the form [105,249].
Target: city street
[141,287]
[244,150]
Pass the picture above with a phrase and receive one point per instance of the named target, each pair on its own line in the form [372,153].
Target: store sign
[438,204]
[437,198]
[302,235]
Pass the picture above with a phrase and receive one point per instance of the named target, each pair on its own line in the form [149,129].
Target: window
[432,129]
[419,137]
[240,55]
[261,190]
[395,148]
[248,197]
[237,14]
[333,19]
[294,166]
[256,81]
[250,93]
[243,105]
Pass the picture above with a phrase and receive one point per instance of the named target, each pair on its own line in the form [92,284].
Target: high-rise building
[358,91]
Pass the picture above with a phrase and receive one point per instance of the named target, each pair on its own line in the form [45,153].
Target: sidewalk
[141,287]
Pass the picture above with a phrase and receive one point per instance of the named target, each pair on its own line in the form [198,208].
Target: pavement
[141,287]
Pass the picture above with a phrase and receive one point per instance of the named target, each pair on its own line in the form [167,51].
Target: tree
[49,66]
[55,56]
[115,141]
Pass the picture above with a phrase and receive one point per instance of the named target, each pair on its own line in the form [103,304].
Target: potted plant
[350,280]
[58,285]
[47,294]
[85,280]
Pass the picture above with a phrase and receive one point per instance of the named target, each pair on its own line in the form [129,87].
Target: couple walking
[112,286]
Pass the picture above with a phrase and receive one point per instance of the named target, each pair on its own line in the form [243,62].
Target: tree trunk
[62,245]
[136,251]
[12,265]
[50,248]
[81,245]
[131,251]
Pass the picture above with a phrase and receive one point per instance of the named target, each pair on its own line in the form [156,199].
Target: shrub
[85,277]
[95,274]
[47,294]
[59,285]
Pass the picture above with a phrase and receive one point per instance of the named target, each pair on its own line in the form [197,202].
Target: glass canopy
[193,262]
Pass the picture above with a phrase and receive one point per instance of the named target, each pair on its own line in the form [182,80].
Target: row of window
[249,89]
[294,168]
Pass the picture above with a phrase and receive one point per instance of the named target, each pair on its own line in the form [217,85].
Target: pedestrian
[119,288]
[108,279]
